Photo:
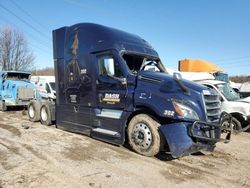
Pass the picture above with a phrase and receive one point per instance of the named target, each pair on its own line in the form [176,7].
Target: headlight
[184,111]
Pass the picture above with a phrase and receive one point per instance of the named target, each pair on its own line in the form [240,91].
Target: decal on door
[111,98]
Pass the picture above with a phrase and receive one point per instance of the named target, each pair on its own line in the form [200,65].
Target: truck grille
[24,93]
[213,106]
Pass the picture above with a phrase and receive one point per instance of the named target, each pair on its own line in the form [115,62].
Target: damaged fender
[179,141]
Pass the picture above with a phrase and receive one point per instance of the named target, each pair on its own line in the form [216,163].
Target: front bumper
[184,138]
[16,102]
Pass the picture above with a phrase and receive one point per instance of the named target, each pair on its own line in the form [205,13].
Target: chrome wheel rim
[31,111]
[142,136]
[44,114]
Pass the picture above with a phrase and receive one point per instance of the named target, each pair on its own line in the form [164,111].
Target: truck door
[111,91]
[111,83]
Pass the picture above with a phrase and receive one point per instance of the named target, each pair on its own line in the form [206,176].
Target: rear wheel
[144,136]
[45,115]
[33,111]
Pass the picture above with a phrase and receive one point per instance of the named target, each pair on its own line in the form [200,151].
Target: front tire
[144,136]
[236,124]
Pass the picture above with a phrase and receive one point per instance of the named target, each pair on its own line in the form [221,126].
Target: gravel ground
[32,155]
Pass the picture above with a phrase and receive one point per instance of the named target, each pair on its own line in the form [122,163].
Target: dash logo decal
[111,98]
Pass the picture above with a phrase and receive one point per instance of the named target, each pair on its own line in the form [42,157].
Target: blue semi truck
[15,89]
[112,86]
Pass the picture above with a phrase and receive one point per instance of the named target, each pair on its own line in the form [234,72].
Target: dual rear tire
[39,112]
[45,115]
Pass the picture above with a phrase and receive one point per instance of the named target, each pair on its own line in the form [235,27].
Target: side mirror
[109,66]
[177,76]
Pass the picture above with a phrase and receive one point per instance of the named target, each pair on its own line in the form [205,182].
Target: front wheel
[144,136]
[236,125]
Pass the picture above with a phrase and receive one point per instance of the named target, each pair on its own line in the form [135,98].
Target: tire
[45,115]
[144,136]
[236,124]
[33,111]
[3,107]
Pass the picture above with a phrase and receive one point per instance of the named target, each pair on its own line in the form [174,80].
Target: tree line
[15,53]
[240,79]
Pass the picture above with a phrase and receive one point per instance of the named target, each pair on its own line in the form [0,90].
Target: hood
[246,100]
[241,107]
[18,83]
[157,91]
[164,77]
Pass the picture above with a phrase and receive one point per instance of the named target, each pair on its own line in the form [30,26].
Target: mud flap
[179,142]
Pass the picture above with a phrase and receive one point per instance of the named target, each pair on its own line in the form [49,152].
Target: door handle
[100,97]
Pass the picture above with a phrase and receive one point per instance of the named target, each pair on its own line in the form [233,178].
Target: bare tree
[14,51]
[47,71]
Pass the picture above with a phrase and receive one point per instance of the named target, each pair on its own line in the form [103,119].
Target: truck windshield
[138,63]
[221,76]
[228,92]
[17,76]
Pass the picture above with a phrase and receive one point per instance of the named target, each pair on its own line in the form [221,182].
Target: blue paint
[81,87]
[10,83]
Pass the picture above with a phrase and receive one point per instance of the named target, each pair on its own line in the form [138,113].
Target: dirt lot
[32,155]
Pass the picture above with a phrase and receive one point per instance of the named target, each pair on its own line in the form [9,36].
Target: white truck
[231,101]
[244,89]
[45,86]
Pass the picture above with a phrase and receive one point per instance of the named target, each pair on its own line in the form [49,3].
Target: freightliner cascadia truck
[112,86]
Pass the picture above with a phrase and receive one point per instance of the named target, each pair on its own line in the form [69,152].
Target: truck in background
[231,101]
[45,85]
[195,65]
[112,86]
[244,89]
[15,89]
